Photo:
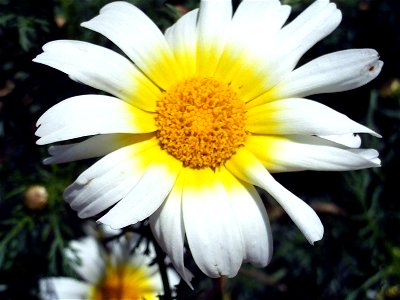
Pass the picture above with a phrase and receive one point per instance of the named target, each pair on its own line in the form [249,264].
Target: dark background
[359,256]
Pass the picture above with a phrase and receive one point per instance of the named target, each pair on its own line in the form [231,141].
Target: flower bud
[35,197]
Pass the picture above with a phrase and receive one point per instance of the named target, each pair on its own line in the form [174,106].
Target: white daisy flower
[199,116]
[119,274]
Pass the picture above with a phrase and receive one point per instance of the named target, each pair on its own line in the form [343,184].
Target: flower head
[111,273]
[199,116]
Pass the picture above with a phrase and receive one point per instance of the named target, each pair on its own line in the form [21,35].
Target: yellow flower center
[201,122]
[123,282]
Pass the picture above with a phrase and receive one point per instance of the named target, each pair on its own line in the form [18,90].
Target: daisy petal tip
[113,223]
[85,24]
[187,276]
[68,194]
[83,215]
[47,161]
[374,69]
[41,142]
[104,221]
[111,226]
[316,236]
[375,134]
[377,161]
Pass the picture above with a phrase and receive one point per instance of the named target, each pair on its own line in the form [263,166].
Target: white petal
[370,155]
[148,194]
[182,39]
[90,265]
[140,39]
[108,180]
[90,115]
[335,72]
[251,15]
[211,227]
[135,251]
[101,68]
[349,140]
[289,44]
[312,25]
[252,218]
[167,226]
[96,146]
[59,288]
[297,153]
[213,24]
[253,25]
[246,167]
[301,116]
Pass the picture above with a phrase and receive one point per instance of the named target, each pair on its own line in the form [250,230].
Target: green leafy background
[359,256]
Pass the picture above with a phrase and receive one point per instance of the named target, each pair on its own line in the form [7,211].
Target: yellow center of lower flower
[201,122]
[122,283]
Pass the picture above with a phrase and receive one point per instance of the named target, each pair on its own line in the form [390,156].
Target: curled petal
[335,72]
[349,139]
[297,153]
[143,199]
[301,116]
[247,167]
[108,180]
[96,146]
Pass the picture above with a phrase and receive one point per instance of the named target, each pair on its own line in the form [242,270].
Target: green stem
[14,231]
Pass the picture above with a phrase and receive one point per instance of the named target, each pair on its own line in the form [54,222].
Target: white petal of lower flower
[297,153]
[90,115]
[140,39]
[211,228]
[252,218]
[87,259]
[135,250]
[85,63]
[246,167]
[283,117]
[144,198]
[108,180]
[335,72]
[61,288]
[96,146]
[213,24]
[182,39]
[167,226]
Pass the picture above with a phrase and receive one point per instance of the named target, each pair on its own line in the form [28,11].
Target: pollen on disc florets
[201,122]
